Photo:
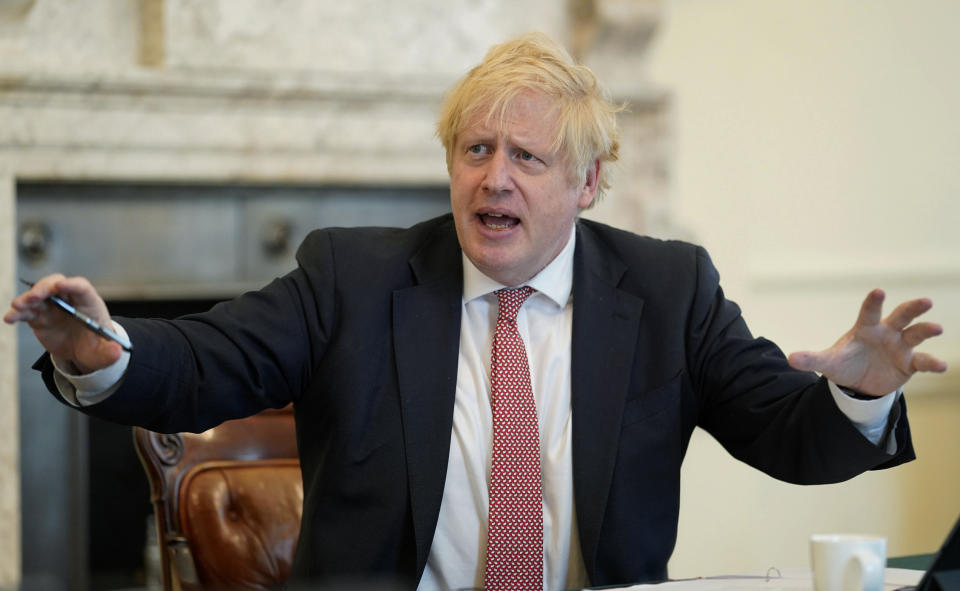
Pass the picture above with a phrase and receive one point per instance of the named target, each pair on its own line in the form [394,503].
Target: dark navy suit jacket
[363,337]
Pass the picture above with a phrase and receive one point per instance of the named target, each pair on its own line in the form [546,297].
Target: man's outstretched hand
[60,334]
[877,355]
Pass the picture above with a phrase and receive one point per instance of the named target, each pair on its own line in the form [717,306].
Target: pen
[90,323]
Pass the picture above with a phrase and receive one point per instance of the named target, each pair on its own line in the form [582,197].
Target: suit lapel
[605,324]
[426,323]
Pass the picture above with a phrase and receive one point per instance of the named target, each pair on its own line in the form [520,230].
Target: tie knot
[510,301]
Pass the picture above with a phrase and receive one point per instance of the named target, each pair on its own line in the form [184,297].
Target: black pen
[86,320]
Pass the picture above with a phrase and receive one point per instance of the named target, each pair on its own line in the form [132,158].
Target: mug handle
[863,572]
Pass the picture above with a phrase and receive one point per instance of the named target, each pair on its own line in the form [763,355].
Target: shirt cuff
[870,417]
[89,389]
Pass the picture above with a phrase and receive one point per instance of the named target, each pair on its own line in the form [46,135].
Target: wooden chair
[227,502]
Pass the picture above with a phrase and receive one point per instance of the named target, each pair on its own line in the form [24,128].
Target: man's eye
[477,149]
[524,155]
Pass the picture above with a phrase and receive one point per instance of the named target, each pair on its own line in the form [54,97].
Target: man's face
[512,198]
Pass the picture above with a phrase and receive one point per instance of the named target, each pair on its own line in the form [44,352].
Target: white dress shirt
[458,554]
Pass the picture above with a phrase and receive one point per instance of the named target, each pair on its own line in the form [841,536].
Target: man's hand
[59,333]
[877,355]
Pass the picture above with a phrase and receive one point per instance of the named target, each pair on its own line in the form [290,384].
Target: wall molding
[851,274]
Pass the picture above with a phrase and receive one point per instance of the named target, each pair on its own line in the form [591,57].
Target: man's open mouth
[498,221]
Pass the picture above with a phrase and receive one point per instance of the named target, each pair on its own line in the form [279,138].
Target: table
[797,579]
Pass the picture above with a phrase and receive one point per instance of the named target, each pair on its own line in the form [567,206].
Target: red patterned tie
[515,533]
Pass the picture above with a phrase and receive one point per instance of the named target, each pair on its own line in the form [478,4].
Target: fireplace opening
[153,251]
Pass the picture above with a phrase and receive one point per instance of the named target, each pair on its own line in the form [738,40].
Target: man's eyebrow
[476,138]
[533,145]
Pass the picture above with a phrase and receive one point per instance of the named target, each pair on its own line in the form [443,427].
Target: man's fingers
[33,307]
[14,315]
[906,312]
[31,304]
[871,308]
[75,286]
[81,293]
[23,311]
[920,332]
[40,291]
[45,287]
[927,362]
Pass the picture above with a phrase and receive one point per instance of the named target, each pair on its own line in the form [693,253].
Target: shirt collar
[555,280]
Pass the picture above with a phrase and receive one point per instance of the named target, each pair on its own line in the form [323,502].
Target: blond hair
[586,126]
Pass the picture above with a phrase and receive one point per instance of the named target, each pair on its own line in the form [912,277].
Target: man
[416,446]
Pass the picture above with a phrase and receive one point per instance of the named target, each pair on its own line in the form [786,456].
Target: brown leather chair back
[227,502]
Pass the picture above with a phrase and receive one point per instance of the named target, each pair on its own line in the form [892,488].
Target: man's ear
[588,188]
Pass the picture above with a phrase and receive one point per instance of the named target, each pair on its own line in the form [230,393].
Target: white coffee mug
[846,562]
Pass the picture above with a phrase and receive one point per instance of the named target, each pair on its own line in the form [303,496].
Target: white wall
[816,154]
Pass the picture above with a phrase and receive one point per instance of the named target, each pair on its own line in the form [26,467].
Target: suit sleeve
[765,413]
[250,353]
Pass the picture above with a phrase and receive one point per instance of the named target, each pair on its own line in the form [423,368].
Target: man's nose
[498,176]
